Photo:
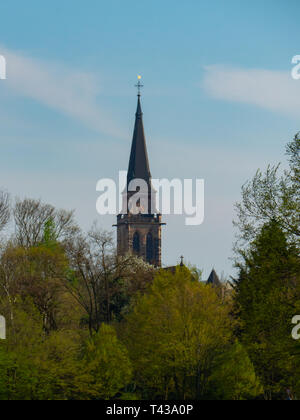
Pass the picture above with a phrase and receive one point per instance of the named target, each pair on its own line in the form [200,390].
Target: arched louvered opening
[149,248]
[136,243]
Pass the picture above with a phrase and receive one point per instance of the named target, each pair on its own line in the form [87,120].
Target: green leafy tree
[174,334]
[50,233]
[267,298]
[107,364]
[40,273]
[270,196]
[234,376]
[35,366]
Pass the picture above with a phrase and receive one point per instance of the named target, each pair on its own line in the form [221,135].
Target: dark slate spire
[139,162]
[213,279]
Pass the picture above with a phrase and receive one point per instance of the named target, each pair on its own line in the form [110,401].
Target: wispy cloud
[273,90]
[69,91]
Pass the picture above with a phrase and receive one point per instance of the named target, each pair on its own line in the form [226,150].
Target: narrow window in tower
[136,243]
[156,249]
[149,248]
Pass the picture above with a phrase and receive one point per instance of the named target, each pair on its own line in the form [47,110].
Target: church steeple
[139,163]
[139,233]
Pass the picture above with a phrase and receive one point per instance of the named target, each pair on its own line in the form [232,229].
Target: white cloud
[273,90]
[66,90]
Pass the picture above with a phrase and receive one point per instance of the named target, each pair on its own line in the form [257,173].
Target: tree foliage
[86,324]
[268,283]
[269,196]
[234,376]
[267,298]
[173,335]
[107,363]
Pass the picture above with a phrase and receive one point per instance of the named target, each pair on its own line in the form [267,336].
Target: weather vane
[139,85]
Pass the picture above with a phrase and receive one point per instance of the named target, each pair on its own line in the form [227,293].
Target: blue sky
[219,102]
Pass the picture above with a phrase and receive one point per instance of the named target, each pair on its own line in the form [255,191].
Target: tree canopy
[83,323]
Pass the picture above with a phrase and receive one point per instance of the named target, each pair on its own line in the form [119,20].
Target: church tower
[139,227]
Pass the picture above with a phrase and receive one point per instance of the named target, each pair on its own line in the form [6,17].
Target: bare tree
[101,282]
[31,217]
[4,209]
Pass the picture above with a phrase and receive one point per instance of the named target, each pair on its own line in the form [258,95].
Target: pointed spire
[139,162]
[214,279]
[139,112]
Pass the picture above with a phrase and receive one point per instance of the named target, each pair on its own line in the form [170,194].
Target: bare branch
[4,209]
[31,216]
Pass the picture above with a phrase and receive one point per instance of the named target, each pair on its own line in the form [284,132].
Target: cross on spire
[139,85]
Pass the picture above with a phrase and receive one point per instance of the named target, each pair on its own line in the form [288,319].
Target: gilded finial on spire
[139,85]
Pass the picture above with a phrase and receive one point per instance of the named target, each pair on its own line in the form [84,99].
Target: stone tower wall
[129,224]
